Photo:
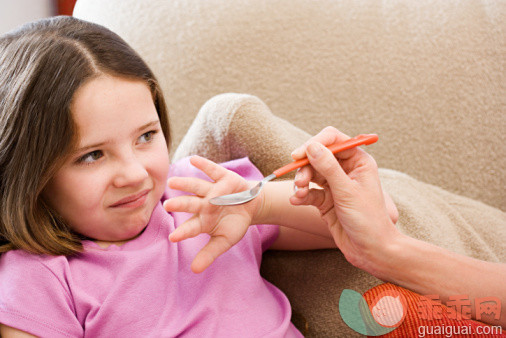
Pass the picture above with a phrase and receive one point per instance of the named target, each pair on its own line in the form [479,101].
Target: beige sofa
[427,76]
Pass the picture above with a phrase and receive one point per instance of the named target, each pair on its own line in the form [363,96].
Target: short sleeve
[268,232]
[33,298]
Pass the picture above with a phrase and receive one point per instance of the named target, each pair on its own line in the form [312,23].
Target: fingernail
[298,175]
[295,188]
[314,149]
[296,151]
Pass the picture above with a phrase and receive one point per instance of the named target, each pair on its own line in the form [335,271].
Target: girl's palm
[226,225]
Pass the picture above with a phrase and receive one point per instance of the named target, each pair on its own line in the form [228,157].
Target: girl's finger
[192,185]
[190,204]
[216,246]
[188,229]
[211,169]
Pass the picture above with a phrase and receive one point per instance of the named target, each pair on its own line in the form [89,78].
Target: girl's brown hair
[42,64]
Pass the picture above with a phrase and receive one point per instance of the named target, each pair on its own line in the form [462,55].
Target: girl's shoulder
[19,265]
[24,257]
[34,292]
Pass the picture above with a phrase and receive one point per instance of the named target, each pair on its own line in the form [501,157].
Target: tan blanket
[231,126]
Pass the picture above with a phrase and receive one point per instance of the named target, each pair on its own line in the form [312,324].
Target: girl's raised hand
[225,224]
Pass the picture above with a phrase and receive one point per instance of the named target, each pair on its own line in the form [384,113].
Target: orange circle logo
[389,308]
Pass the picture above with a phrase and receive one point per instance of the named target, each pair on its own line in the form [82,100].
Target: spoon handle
[334,148]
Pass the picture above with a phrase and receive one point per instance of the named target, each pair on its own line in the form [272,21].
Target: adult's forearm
[431,270]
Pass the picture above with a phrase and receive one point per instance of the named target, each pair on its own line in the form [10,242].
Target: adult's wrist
[388,259]
[408,262]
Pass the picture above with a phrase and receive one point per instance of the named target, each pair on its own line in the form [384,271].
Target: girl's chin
[119,242]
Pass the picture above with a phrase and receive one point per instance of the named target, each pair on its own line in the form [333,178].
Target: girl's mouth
[132,201]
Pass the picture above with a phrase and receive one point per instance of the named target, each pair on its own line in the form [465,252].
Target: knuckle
[307,171]
[213,171]
[183,203]
[372,162]
[192,186]
[329,129]
[394,214]
[304,146]
[318,178]
[200,189]
[194,230]
[326,213]
[328,166]
[236,178]
[316,198]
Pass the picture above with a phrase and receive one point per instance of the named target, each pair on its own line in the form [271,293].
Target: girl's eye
[90,157]
[93,156]
[147,137]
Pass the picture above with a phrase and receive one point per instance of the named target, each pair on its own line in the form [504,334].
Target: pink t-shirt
[145,288]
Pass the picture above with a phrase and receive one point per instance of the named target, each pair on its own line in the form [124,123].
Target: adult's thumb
[325,163]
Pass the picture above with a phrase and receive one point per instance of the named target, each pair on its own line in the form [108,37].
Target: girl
[84,162]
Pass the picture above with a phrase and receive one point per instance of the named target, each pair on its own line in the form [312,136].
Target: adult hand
[359,214]
[360,220]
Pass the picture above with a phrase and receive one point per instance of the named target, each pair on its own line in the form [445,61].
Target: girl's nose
[130,172]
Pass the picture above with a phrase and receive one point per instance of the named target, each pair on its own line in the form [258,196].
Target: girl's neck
[106,244]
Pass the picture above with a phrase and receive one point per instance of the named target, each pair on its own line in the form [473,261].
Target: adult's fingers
[329,135]
[324,162]
[319,198]
[322,200]
[307,174]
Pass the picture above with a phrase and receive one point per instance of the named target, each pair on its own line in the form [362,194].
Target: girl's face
[110,185]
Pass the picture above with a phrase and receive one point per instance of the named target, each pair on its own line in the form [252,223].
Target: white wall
[14,13]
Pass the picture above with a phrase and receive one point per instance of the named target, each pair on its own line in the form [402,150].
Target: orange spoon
[248,195]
